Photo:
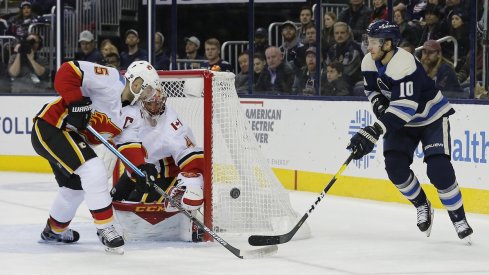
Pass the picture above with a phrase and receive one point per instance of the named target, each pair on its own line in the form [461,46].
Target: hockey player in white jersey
[96,95]
[410,110]
[172,148]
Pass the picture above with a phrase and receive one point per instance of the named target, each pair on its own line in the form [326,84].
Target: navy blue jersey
[414,99]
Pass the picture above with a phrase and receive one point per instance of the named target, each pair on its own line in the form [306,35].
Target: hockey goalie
[171,149]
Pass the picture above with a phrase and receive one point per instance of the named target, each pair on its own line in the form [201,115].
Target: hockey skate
[68,236]
[425,217]
[463,231]
[111,239]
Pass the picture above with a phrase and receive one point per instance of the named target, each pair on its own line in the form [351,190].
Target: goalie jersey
[414,99]
[104,86]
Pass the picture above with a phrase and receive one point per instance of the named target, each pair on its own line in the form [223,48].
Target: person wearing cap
[441,70]
[29,70]
[294,52]
[19,24]
[134,53]
[192,45]
[162,61]
[306,81]
[356,16]
[277,77]
[346,51]
[213,55]
[261,41]
[88,51]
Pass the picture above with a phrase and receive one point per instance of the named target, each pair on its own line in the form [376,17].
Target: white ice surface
[349,236]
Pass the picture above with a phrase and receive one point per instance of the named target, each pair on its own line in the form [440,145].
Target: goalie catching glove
[364,140]
[79,113]
[188,191]
[145,184]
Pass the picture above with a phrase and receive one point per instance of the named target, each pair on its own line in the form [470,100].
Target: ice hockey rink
[349,236]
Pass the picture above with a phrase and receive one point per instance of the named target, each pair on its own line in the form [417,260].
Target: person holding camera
[29,70]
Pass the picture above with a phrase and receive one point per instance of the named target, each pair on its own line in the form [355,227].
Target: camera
[26,46]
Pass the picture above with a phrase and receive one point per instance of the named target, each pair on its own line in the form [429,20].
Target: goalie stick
[242,254]
[261,240]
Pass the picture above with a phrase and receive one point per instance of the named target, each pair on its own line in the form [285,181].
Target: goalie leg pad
[188,192]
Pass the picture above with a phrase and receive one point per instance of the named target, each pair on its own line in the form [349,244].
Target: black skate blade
[115,250]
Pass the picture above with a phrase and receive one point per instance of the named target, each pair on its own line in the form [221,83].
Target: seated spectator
[440,70]
[261,41]
[28,69]
[409,33]
[408,46]
[459,30]
[333,83]
[113,59]
[464,72]
[192,45]
[434,27]
[327,33]
[162,61]
[310,40]
[305,18]
[347,52]
[213,55]
[19,24]
[306,82]
[379,12]
[107,47]
[241,80]
[277,77]
[259,63]
[357,16]
[414,9]
[88,51]
[133,53]
[292,49]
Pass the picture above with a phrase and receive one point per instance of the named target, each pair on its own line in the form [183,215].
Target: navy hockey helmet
[385,30]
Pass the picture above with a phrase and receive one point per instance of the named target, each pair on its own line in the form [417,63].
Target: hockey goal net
[207,101]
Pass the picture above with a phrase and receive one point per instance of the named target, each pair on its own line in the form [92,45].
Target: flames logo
[102,123]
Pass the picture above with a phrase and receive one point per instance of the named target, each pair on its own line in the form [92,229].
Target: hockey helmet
[145,71]
[152,103]
[384,29]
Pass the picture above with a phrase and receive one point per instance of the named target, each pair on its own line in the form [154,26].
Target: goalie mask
[145,71]
[152,104]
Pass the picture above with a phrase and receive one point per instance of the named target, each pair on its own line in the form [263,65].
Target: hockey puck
[235,193]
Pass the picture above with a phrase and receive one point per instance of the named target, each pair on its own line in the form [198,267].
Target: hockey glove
[364,140]
[79,113]
[145,184]
[380,103]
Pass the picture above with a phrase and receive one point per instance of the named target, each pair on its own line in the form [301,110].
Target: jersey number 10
[406,89]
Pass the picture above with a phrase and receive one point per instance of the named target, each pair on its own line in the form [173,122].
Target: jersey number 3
[406,89]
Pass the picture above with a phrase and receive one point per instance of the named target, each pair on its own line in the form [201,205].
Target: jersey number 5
[406,89]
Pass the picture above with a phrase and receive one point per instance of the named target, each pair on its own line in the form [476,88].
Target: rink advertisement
[304,141]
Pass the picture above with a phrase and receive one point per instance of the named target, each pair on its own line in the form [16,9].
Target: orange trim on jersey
[49,150]
[76,69]
[106,221]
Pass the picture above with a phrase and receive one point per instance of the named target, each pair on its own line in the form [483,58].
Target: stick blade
[259,253]
[261,240]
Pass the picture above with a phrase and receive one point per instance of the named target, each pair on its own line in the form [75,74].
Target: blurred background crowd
[297,47]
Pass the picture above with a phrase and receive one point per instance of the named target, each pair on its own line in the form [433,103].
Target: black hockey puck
[235,193]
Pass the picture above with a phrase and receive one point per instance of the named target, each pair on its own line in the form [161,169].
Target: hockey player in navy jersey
[409,110]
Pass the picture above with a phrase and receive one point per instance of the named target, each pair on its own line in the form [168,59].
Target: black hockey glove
[79,113]
[145,184]
[380,103]
[364,140]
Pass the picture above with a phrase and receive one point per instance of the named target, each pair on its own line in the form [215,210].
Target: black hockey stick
[260,240]
[257,253]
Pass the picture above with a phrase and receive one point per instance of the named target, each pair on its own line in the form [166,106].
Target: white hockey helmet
[147,73]
[152,102]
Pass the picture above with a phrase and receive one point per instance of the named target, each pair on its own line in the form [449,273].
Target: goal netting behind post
[207,101]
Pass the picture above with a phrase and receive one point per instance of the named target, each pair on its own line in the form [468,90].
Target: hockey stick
[242,254]
[260,240]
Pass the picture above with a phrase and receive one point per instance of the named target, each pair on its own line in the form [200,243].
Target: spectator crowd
[298,65]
